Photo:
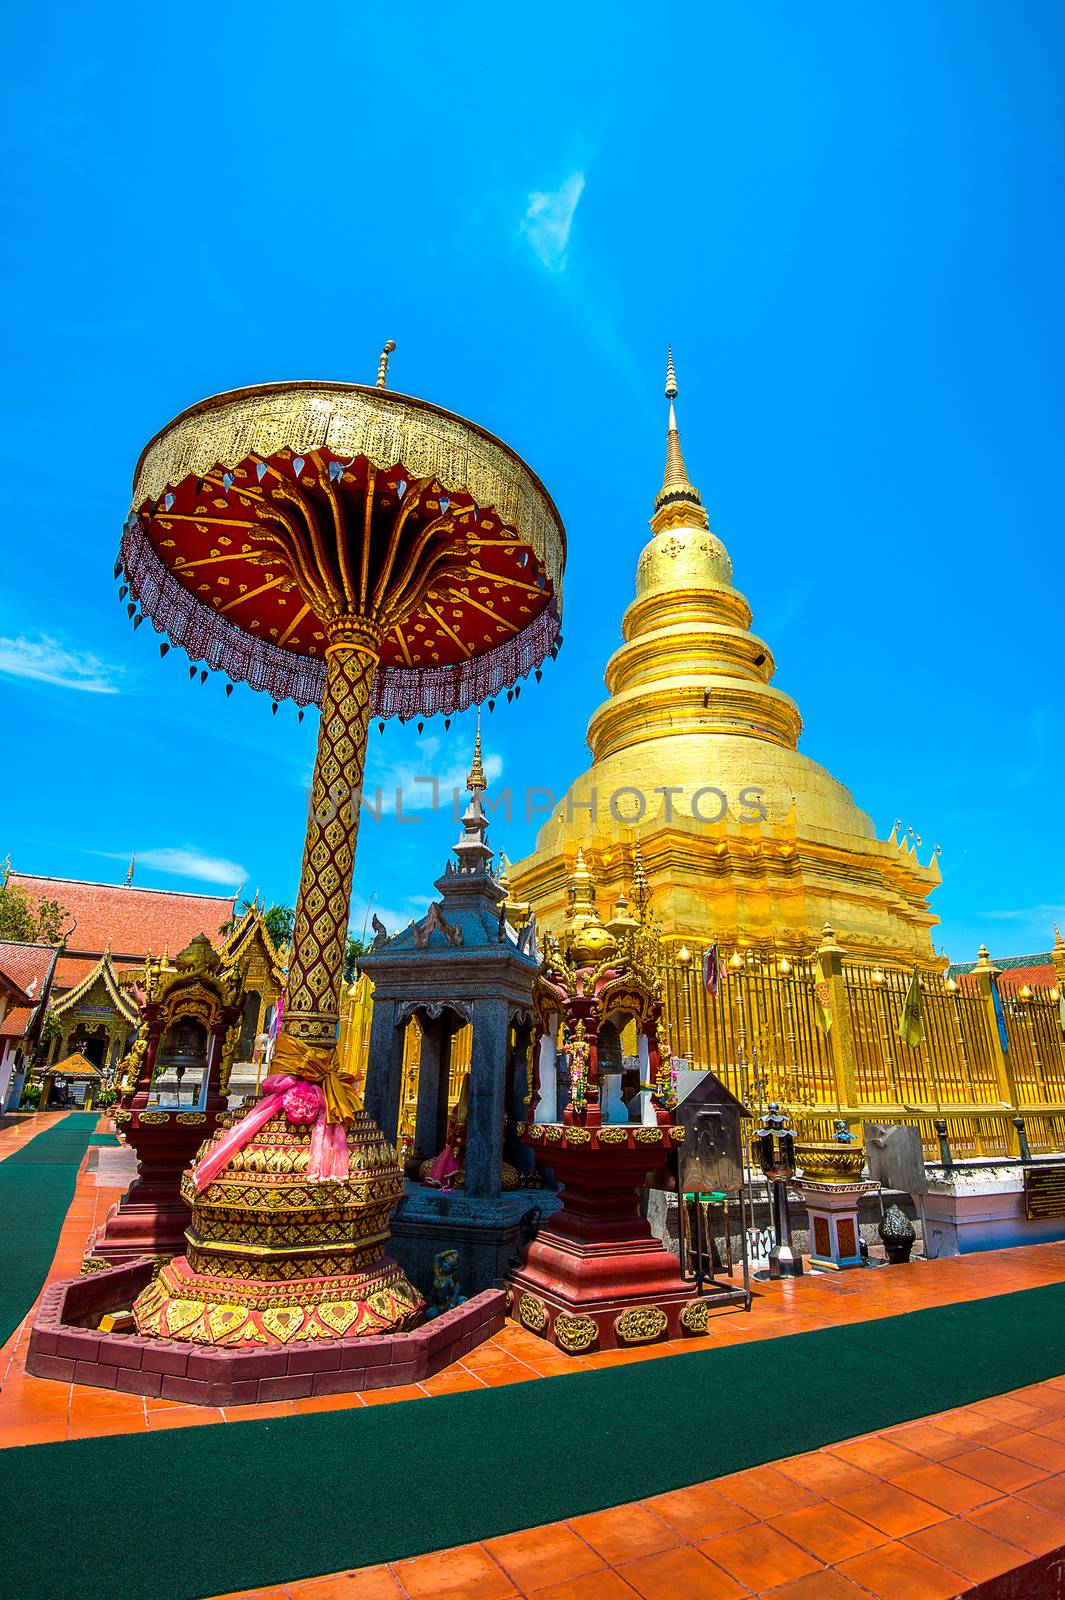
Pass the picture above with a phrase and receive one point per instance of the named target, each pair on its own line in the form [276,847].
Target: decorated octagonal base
[596,1277]
[182,1303]
[275,1254]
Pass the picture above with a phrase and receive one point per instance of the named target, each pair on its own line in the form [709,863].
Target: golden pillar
[986,974]
[840,1037]
[1057,956]
[319,935]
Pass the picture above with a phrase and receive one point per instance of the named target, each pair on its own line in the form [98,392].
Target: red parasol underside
[202,565]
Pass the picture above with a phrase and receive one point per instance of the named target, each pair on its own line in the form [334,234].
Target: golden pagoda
[695,752]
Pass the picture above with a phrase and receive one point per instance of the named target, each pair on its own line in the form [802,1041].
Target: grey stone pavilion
[462,963]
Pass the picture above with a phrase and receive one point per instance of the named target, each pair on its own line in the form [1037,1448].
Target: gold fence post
[840,1038]
[986,973]
[1057,956]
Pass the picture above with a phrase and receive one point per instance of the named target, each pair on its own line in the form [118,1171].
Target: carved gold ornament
[578,1136]
[641,1324]
[648,1136]
[553,1133]
[694,1316]
[190,1119]
[575,1334]
[532,1313]
[152,1119]
[613,1135]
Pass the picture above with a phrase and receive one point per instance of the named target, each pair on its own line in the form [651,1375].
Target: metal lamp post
[774,1142]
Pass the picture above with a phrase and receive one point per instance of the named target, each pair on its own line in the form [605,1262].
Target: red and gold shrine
[596,1277]
[172,1093]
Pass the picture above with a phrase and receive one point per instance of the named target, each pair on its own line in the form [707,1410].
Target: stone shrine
[462,965]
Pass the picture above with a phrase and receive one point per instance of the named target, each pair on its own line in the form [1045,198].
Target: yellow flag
[822,1000]
[910,1029]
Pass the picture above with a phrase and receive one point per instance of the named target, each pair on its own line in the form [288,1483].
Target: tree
[27,921]
[279,920]
[353,949]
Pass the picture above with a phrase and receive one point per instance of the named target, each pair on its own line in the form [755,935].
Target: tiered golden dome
[753,841]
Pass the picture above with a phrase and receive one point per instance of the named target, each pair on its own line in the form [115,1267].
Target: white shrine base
[980,1206]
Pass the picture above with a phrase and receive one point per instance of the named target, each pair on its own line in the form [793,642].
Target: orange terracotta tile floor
[18,1133]
[924,1509]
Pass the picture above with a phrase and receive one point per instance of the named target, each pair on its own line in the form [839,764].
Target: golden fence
[761,1036]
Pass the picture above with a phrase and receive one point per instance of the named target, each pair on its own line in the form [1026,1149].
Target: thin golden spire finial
[476,782]
[382,365]
[677,489]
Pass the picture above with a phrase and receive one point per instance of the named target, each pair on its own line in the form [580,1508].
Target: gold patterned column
[316,964]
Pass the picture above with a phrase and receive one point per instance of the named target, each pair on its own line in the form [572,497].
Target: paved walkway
[924,1511]
[16,1135]
[921,1511]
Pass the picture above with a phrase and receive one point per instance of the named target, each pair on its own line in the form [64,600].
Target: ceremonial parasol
[358,549]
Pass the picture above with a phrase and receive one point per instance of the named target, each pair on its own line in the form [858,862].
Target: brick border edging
[61,1347]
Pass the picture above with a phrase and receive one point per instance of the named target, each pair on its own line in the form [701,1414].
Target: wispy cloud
[424,784]
[548,220]
[45,659]
[395,916]
[1044,915]
[185,861]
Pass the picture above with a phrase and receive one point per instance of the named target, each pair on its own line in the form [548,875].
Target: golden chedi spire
[695,747]
[677,503]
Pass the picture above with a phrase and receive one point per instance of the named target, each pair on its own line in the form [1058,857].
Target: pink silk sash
[304,1104]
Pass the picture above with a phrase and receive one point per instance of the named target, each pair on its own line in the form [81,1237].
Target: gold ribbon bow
[337,1083]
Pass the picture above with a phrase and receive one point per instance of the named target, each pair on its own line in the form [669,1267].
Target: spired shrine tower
[754,843]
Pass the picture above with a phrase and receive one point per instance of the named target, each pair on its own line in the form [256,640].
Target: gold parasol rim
[374,396]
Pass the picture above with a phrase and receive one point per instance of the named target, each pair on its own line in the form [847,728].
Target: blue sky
[848,220]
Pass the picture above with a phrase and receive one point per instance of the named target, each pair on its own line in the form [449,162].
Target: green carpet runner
[36,1188]
[246,1505]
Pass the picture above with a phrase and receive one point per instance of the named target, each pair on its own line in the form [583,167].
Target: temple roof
[27,966]
[241,938]
[469,920]
[103,972]
[1014,971]
[16,1022]
[74,1066]
[25,971]
[131,921]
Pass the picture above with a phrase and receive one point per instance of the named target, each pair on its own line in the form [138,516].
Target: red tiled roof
[135,922]
[70,970]
[1037,971]
[16,1022]
[1040,975]
[27,966]
[9,987]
